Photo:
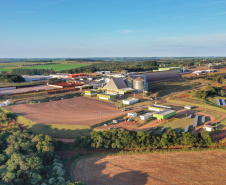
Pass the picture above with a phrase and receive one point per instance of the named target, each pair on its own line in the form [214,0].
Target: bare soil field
[76,111]
[205,168]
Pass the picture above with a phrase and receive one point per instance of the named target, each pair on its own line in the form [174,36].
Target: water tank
[138,84]
[129,82]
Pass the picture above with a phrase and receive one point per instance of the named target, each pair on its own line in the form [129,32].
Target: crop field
[207,167]
[75,111]
[55,65]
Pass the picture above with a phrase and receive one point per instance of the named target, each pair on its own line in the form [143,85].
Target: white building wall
[129,101]
[146,116]
[133,114]
[103,98]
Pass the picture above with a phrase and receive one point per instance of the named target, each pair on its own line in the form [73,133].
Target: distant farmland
[57,67]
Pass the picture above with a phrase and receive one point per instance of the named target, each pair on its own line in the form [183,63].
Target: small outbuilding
[208,128]
[187,107]
[91,92]
[130,101]
[132,114]
[106,96]
[5,103]
[146,116]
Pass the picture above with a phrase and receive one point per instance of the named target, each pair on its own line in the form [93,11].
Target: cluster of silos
[129,82]
[137,83]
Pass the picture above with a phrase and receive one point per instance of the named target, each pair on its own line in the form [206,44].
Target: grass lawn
[167,88]
[55,130]
[60,131]
[57,67]
[216,115]
[177,123]
[198,103]
[221,124]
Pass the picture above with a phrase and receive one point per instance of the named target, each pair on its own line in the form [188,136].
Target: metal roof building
[223,102]
[160,76]
[218,102]
[186,128]
[116,86]
[196,121]
[164,114]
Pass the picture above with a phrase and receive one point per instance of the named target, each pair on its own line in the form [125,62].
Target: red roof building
[76,75]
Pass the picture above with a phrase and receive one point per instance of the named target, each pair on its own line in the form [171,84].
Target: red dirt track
[76,111]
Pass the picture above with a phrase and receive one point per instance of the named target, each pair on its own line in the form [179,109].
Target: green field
[57,67]
[4,69]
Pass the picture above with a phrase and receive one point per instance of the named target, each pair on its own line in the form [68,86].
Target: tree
[205,136]
[188,139]
[222,92]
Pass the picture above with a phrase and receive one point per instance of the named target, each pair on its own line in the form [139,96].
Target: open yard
[207,167]
[75,111]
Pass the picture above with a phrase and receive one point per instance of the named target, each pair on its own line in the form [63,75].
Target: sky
[112,28]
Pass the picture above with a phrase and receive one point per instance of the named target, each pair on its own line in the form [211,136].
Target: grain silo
[129,82]
[138,84]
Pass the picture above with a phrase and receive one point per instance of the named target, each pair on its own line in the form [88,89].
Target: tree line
[210,91]
[125,139]
[216,77]
[7,78]
[115,66]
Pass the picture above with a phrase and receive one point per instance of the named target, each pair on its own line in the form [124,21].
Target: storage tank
[138,84]
[129,82]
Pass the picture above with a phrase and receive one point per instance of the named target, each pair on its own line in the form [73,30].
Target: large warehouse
[159,76]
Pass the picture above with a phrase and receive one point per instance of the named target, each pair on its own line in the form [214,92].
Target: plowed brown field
[171,168]
[76,111]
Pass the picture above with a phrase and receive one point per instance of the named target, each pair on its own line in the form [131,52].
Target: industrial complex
[125,91]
